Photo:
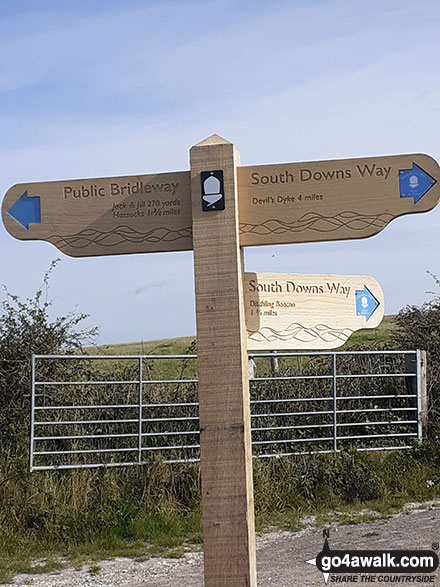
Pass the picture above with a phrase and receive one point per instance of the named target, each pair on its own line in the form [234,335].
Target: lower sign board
[104,216]
[289,311]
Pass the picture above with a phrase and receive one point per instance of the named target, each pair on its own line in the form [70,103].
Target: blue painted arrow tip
[366,303]
[26,210]
[415,182]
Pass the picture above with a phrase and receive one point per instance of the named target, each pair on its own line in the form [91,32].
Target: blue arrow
[414,183]
[26,210]
[366,303]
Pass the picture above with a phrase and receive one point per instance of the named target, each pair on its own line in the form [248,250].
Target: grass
[29,559]
[35,558]
[376,338]
[24,562]
[166,346]
[94,569]
[162,534]
[370,337]
[152,369]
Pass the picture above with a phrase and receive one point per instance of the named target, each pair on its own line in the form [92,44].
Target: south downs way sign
[291,311]
[332,200]
[283,203]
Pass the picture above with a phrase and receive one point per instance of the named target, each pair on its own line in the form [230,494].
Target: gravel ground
[281,557]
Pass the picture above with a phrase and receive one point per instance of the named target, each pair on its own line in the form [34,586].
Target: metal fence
[93,411]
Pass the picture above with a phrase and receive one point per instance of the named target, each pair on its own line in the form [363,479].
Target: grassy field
[370,337]
[166,346]
[374,338]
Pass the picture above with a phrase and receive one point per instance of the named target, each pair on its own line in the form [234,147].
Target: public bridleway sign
[105,216]
[215,209]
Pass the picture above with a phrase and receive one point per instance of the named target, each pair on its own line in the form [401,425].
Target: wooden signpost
[224,407]
[104,216]
[332,200]
[215,209]
[308,311]
[283,203]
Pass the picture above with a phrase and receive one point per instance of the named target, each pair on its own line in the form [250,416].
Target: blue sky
[102,88]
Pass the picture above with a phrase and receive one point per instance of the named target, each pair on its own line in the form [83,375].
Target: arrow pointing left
[26,210]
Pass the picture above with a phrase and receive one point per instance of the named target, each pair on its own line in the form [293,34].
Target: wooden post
[225,437]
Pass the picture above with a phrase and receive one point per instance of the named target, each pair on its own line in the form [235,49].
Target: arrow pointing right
[26,210]
[366,303]
[415,182]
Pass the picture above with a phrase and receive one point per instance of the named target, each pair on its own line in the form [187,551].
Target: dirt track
[281,557]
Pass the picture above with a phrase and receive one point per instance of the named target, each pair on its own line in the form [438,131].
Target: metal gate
[94,410]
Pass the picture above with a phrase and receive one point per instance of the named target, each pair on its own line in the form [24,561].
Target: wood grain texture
[108,216]
[225,439]
[328,200]
[282,203]
[294,312]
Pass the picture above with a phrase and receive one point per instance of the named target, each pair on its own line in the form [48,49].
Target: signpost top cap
[213,140]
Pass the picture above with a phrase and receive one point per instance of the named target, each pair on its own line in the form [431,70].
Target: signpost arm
[225,435]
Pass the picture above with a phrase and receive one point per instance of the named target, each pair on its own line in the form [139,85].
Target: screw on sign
[249,205]
[212,190]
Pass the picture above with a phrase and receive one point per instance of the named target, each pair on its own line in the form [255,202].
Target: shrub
[419,327]
[26,328]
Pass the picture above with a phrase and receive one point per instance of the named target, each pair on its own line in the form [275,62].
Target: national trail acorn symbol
[212,190]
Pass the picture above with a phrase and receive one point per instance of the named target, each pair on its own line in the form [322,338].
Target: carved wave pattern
[120,235]
[319,223]
[297,331]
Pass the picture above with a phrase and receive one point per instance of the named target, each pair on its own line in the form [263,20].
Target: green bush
[418,327]
[26,328]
